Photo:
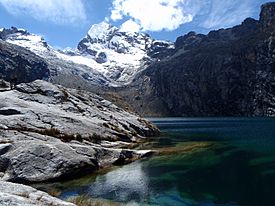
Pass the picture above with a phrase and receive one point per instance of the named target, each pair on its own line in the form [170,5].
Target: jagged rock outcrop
[160,49]
[189,41]
[267,16]
[49,132]
[21,63]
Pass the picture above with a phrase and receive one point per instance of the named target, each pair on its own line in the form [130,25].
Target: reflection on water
[123,184]
[201,162]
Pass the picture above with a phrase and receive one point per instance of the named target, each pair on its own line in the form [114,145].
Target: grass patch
[65,93]
[85,200]
[52,132]
[95,138]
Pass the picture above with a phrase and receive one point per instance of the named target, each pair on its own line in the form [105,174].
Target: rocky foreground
[48,132]
[18,194]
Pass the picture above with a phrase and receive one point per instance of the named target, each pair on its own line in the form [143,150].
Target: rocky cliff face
[229,72]
[267,16]
[22,63]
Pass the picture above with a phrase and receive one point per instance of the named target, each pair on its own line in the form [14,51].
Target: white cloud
[152,15]
[56,11]
[157,15]
[130,26]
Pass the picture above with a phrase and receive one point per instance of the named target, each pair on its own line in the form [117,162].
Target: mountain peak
[23,38]
[104,36]
[101,30]
[267,16]
[13,30]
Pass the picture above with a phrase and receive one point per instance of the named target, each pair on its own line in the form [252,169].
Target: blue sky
[64,22]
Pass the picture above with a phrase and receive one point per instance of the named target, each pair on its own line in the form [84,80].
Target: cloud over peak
[55,11]
[153,15]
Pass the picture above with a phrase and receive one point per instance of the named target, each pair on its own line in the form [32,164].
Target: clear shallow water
[202,161]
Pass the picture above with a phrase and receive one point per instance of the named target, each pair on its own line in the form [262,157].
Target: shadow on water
[200,162]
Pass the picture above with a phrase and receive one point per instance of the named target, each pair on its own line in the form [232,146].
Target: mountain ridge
[106,52]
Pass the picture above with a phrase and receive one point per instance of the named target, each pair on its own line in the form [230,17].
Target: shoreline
[51,133]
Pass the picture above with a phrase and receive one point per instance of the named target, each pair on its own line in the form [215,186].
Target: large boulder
[48,132]
[30,157]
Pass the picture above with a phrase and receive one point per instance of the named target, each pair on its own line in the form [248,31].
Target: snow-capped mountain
[119,54]
[23,38]
[106,55]
[60,63]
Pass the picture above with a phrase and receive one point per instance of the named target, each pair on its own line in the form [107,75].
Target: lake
[200,161]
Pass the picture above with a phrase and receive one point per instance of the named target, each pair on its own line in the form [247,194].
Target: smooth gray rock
[41,105]
[33,161]
[12,194]
[59,133]
[33,157]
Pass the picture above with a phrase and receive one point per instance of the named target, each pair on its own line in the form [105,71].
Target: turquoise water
[201,162]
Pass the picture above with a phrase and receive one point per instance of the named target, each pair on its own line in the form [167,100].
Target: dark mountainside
[229,72]
[18,62]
